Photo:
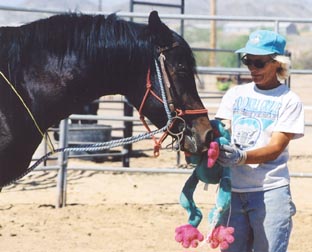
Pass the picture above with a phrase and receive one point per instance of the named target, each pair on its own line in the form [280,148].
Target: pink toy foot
[222,236]
[213,154]
[188,236]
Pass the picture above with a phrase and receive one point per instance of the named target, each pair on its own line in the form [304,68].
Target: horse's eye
[180,68]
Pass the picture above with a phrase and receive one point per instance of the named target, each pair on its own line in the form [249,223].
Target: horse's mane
[95,39]
[90,36]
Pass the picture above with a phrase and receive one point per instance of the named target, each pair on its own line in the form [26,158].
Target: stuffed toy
[208,171]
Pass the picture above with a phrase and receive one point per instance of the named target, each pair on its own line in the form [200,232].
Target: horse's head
[175,61]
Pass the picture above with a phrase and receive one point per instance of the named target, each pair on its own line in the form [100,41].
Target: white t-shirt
[255,114]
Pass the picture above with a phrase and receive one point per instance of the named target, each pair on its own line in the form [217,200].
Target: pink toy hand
[213,154]
[222,236]
[188,236]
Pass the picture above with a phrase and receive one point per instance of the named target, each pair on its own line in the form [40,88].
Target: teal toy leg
[221,235]
[187,201]
[210,172]
[188,235]
[223,198]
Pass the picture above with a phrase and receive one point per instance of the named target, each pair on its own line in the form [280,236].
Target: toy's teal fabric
[208,171]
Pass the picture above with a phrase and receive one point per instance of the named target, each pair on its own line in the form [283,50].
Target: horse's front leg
[188,235]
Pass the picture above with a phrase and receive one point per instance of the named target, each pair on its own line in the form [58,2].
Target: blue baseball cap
[264,42]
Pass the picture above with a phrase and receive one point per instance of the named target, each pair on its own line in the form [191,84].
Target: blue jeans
[262,220]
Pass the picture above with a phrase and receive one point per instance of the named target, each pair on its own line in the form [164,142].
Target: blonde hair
[284,70]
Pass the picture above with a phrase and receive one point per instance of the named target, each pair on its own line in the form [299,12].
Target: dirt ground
[133,212]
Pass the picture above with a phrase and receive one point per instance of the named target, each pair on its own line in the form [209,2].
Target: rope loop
[50,144]
[157,150]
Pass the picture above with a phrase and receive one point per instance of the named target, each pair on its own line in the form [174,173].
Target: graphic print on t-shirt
[251,119]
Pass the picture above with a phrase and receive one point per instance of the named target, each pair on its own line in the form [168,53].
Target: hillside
[269,8]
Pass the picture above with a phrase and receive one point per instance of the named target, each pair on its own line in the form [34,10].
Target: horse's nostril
[190,144]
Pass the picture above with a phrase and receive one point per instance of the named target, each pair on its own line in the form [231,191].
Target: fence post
[62,162]
[128,131]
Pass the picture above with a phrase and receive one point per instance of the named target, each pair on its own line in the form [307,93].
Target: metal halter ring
[174,119]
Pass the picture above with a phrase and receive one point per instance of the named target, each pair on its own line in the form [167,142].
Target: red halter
[179,112]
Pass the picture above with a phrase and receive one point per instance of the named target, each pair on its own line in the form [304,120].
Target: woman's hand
[231,155]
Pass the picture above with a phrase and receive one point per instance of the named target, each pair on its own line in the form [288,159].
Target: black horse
[59,64]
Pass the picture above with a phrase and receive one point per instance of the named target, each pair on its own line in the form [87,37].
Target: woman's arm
[276,146]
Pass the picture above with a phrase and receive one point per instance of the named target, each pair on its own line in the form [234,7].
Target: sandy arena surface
[129,212]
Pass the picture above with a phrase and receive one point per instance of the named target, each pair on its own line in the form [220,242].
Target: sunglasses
[256,63]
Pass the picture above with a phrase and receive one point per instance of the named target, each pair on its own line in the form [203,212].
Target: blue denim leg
[237,217]
[273,235]
[262,220]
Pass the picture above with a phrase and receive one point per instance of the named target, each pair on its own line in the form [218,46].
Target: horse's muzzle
[190,144]
[196,143]
[209,138]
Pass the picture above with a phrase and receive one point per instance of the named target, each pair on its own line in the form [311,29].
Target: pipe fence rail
[62,159]
[129,121]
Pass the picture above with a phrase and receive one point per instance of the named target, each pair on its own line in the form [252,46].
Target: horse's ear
[161,32]
[154,21]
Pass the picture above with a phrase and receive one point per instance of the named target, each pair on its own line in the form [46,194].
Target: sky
[11,2]
[8,18]
[107,5]
[17,2]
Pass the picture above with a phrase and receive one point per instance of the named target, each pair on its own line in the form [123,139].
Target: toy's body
[208,171]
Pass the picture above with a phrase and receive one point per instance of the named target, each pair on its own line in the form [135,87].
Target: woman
[265,115]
